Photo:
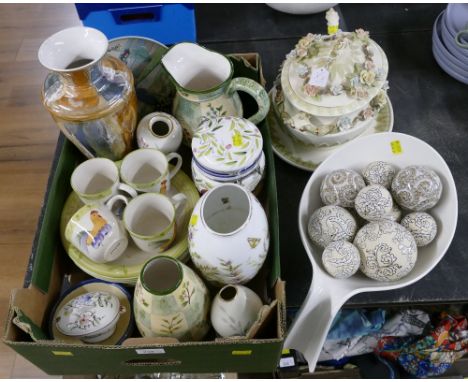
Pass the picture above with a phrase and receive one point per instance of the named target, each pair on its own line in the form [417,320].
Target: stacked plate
[450,41]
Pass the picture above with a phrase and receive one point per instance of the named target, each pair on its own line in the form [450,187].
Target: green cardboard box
[49,263]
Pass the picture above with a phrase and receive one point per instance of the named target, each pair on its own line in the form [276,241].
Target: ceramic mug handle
[129,190]
[179,201]
[110,203]
[256,91]
[177,166]
[458,38]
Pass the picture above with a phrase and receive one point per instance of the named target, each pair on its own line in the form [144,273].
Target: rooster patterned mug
[97,233]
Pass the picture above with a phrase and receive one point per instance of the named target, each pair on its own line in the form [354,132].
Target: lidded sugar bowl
[333,86]
[227,150]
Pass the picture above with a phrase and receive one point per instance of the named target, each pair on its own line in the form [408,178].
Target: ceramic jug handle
[110,203]
[129,190]
[177,166]
[256,91]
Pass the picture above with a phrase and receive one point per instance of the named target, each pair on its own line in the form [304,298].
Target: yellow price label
[332,29]
[62,353]
[193,220]
[396,147]
[237,139]
[285,352]
[241,352]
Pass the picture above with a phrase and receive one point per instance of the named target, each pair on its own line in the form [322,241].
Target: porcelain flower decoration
[344,123]
[367,77]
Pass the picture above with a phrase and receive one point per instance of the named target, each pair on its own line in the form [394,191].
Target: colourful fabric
[356,322]
[430,355]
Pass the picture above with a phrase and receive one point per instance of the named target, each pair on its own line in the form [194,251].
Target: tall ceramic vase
[171,301]
[89,94]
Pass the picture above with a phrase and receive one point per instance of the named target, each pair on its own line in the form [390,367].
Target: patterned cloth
[402,324]
[356,322]
[430,355]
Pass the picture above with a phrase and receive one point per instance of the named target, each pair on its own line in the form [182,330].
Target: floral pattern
[422,226]
[388,251]
[379,172]
[373,202]
[341,259]
[340,188]
[331,223]
[417,188]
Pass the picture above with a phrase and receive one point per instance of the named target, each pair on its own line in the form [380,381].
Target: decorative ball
[379,172]
[394,215]
[417,188]
[373,202]
[340,187]
[331,223]
[341,259]
[388,251]
[422,226]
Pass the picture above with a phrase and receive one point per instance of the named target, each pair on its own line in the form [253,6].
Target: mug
[151,220]
[159,131]
[96,180]
[96,232]
[147,170]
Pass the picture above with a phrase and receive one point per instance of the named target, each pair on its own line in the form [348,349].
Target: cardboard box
[49,263]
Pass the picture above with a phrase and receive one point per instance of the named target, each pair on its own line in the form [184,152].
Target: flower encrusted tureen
[332,84]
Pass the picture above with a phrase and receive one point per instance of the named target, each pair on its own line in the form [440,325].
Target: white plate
[308,157]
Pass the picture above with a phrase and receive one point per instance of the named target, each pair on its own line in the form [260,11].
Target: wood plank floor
[27,143]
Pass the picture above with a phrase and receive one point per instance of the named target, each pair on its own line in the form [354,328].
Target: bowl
[457,18]
[449,41]
[326,294]
[113,331]
[301,9]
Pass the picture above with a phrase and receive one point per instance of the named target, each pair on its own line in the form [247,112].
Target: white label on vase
[287,362]
[150,351]
[319,77]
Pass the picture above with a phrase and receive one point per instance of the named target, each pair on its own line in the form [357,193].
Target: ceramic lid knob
[331,223]
[341,259]
[422,226]
[340,188]
[388,251]
[373,202]
[417,188]
[87,313]
[379,172]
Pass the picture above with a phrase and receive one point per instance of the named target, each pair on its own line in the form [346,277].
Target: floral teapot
[206,89]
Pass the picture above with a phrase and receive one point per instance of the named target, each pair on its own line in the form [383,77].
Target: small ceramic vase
[159,131]
[388,251]
[228,235]
[235,308]
[90,317]
[379,172]
[422,226]
[417,188]
[373,202]
[331,223]
[228,150]
[340,187]
[171,301]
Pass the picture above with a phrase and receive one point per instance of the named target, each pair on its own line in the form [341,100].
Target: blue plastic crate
[166,23]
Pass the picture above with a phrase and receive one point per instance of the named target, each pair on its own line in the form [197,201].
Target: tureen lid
[227,145]
[334,75]
[87,313]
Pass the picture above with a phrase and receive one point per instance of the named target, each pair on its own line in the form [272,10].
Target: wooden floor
[27,142]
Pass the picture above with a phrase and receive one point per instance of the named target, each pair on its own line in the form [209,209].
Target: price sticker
[396,147]
[287,362]
[319,77]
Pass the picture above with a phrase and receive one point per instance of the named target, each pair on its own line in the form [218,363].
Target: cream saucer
[308,157]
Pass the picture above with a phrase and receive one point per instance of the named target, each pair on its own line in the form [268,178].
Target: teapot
[206,88]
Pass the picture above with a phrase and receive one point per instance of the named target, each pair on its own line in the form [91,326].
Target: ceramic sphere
[379,172]
[417,188]
[422,226]
[373,202]
[228,235]
[341,259]
[394,215]
[340,187]
[388,251]
[331,223]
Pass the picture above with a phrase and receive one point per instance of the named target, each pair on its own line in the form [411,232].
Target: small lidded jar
[227,150]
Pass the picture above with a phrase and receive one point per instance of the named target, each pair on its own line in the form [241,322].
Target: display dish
[154,89]
[123,324]
[332,86]
[327,294]
[306,156]
[127,267]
